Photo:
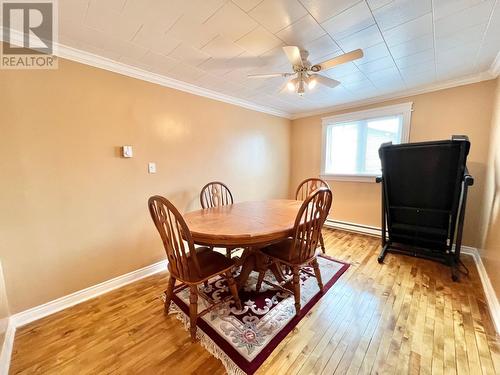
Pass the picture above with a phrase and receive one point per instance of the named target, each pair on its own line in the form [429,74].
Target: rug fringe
[231,367]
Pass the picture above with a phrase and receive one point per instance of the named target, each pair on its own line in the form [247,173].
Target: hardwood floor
[405,316]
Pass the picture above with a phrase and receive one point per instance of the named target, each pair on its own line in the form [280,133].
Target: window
[351,141]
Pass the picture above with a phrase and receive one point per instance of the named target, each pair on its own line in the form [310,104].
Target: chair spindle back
[173,231]
[309,185]
[310,219]
[215,194]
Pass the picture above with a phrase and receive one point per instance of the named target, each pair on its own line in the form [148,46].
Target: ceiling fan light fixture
[300,88]
[290,85]
[312,82]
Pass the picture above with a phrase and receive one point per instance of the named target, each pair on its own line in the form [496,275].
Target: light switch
[152,167]
[127,151]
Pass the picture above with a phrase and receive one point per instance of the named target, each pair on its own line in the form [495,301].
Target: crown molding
[474,78]
[97,61]
[495,66]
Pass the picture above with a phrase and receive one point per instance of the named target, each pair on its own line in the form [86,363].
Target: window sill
[349,177]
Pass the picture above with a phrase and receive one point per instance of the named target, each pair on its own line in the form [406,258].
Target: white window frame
[404,109]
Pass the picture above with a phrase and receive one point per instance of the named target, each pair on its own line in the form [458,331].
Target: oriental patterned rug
[243,339]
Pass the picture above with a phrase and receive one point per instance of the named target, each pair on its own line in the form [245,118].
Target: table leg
[247,266]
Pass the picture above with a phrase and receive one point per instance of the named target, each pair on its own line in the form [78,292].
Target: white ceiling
[214,44]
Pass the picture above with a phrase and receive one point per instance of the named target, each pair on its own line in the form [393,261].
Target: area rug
[243,339]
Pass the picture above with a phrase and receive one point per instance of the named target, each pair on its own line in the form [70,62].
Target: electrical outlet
[152,167]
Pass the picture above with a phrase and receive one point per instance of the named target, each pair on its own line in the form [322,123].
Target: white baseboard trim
[72,299]
[489,292]
[8,344]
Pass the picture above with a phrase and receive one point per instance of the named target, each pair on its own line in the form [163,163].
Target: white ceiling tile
[375,4]
[412,46]
[153,36]
[275,15]
[73,10]
[258,41]
[186,73]
[454,69]
[108,5]
[323,46]
[301,32]
[417,80]
[159,63]
[122,27]
[469,35]
[247,5]
[195,10]
[352,78]
[246,62]
[491,43]
[193,33]
[350,21]
[466,18]
[460,54]
[231,22]
[222,48]
[321,10]
[419,69]
[218,67]
[209,81]
[153,12]
[401,11]
[376,65]
[373,53]
[388,74]
[409,30]
[362,39]
[419,58]
[365,84]
[444,8]
[189,55]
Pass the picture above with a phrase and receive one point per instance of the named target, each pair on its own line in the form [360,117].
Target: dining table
[248,225]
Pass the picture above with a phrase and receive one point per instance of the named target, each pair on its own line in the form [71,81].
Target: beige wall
[437,115]
[491,228]
[74,213]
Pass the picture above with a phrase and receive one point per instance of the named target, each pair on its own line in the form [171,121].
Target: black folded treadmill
[424,192]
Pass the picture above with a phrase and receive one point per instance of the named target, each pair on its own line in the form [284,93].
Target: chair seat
[281,251]
[211,263]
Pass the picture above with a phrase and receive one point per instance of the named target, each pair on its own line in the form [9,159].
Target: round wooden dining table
[249,225]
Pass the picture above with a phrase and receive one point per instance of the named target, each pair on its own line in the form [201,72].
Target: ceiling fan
[305,73]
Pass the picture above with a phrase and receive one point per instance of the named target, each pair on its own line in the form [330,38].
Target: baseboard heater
[353,227]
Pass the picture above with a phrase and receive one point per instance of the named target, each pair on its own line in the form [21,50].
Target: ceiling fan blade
[293,54]
[269,75]
[327,81]
[342,59]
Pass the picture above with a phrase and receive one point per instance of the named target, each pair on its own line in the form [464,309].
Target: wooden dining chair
[300,250]
[187,264]
[215,194]
[305,188]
